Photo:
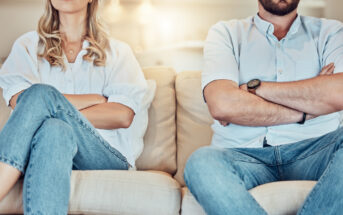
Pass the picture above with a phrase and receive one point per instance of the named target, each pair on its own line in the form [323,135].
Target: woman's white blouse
[121,80]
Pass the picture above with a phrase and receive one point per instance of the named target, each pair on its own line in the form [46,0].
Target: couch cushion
[113,192]
[159,142]
[278,198]
[4,111]
[193,119]
[190,205]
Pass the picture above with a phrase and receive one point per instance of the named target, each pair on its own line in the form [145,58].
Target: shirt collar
[85,45]
[295,26]
[268,28]
[83,52]
[263,25]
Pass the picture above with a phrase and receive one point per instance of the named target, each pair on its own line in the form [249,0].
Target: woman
[62,82]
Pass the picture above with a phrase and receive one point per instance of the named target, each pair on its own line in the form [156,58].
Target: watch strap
[252,90]
[303,119]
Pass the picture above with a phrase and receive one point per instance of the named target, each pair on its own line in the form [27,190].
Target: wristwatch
[253,85]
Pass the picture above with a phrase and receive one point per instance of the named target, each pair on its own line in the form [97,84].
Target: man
[272,84]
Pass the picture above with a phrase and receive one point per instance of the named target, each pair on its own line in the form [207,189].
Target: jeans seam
[261,163]
[278,161]
[84,126]
[245,161]
[323,177]
[313,153]
[27,193]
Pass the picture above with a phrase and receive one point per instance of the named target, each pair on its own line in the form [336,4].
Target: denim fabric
[220,178]
[45,138]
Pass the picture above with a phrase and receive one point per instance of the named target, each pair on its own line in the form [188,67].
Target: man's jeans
[220,178]
[45,138]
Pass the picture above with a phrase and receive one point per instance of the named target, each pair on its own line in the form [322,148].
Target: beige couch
[179,123]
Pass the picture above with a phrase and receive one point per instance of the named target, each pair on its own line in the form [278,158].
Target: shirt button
[280,71]
[278,45]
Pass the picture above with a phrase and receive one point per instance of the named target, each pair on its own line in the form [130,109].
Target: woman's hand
[13,101]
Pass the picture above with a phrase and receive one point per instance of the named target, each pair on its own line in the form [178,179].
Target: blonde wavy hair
[50,39]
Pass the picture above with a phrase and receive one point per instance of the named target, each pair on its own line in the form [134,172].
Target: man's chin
[280,8]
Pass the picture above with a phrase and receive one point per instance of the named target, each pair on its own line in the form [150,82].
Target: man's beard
[276,9]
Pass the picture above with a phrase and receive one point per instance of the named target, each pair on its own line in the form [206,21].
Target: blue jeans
[45,138]
[220,178]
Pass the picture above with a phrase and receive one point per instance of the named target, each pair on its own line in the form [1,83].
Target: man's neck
[73,25]
[282,24]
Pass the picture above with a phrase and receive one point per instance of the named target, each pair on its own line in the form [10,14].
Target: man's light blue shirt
[241,50]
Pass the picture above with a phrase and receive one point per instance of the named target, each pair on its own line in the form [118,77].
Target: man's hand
[328,69]
[244,87]
[223,123]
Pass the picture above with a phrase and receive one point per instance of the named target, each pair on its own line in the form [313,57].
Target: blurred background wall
[161,32]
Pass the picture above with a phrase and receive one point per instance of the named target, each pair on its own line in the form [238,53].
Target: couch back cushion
[159,142]
[4,111]
[193,119]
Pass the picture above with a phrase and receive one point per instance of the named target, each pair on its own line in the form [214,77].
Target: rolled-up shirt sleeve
[19,71]
[333,49]
[219,58]
[125,84]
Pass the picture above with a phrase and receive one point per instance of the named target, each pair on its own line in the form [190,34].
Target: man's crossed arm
[275,103]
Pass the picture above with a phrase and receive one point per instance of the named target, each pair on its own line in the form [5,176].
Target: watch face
[253,83]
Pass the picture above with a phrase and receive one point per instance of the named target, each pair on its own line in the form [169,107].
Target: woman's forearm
[83,101]
[109,115]
[79,101]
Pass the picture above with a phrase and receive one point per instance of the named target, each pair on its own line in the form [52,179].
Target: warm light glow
[112,10]
[146,12]
[166,28]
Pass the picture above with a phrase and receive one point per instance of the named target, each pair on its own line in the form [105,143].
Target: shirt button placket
[278,61]
[69,78]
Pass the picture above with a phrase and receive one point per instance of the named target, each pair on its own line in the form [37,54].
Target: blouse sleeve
[126,83]
[19,71]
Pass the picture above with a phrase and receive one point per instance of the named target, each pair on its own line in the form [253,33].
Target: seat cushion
[159,141]
[193,119]
[278,198]
[113,192]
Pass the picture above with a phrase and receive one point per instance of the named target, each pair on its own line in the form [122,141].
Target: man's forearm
[228,103]
[317,96]
[258,112]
